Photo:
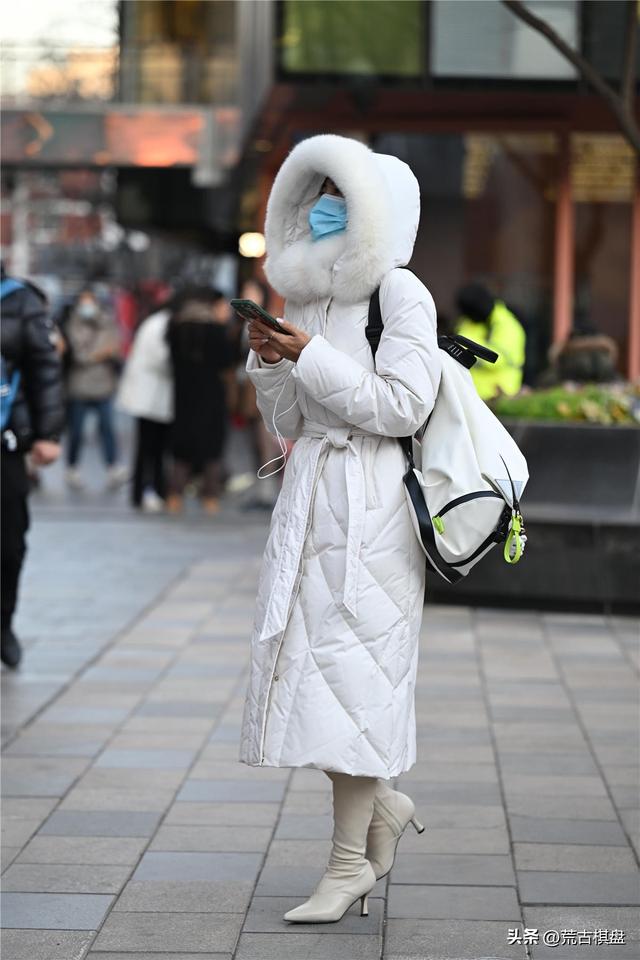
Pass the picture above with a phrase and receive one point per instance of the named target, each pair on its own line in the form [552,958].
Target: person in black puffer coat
[28,344]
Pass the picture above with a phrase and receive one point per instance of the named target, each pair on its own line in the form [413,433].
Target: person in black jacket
[201,352]
[28,344]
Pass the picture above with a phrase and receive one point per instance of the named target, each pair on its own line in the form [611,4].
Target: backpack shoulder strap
[375,324]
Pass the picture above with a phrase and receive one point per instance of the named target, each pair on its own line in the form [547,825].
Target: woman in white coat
[146,393]
[341,588]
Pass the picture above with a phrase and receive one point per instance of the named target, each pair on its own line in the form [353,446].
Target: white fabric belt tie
[296,525]
[340,438]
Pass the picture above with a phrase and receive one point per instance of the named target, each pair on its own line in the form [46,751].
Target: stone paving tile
[65,878]
[307,946]
[211,839]
[462,939]
[229,814]
[585,918]
[99,955]
[54,911]
[459,868]
[116,823]
[449,902]
[8,855]
[15,833]
[39,776]
[555,830]
[186,896]
[45,944]
[492,840]
[63,741]
[168,932]
[562,808]
[124,799]
[98,850]
[540,886]
[155,865]
[164,759]
[229,790]
[579,857]
[160,814]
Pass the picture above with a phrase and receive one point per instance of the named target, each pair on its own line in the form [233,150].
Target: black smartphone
[249,310]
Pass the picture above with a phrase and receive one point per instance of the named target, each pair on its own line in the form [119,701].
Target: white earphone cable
[281,441]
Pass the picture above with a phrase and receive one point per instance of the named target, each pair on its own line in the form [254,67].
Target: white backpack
[466,473]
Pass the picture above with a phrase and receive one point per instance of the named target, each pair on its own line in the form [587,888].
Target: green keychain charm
[516,538]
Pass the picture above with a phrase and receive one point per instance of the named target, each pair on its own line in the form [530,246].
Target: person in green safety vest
[489,321]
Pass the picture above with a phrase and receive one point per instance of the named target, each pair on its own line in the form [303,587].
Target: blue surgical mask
[327,216]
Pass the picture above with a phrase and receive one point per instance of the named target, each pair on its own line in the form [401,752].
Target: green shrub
[592,403]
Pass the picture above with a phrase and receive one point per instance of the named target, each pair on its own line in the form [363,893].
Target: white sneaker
[117,475]
[74,478]
[151,502]
[240,482]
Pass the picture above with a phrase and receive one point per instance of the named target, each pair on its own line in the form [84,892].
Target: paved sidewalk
[131,831]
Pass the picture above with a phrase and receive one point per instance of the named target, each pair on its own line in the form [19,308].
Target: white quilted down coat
[341,589]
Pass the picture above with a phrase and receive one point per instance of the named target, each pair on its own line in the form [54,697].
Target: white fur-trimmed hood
[383,211]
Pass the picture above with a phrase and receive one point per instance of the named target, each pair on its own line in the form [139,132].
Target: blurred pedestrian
[33,419]
[586,356]
[146,392]
[201,351]
[487,320]
[93,368]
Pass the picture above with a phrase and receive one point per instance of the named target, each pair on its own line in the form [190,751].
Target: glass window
[488,214]
[382,37]
[604,29]
[484,39]
[602,173]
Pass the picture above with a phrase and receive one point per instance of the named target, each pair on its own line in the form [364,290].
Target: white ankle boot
[392,813]
[349,876]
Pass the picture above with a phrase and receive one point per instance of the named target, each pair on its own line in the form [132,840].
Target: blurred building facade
[169,141]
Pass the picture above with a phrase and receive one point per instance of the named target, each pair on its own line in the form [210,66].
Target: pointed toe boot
[349,876]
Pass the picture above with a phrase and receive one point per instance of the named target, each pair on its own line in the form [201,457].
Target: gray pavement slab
[543,886]
[445,939]
[186,896]
[54,911]
[113,823]
[126,790]
[65,878]
[307,946]
[167,932]
[451,902]
[556,830]
[156,865]
[100,955]
[45,944]
[456,869]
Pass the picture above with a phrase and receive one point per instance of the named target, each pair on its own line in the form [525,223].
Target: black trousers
[149,467]
[14,522]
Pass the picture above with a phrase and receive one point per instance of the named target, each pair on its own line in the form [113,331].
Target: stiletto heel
[419,828]
[364,905]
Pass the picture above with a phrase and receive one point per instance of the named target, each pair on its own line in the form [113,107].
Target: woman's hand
[272,346]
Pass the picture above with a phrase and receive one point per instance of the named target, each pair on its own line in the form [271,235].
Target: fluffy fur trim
[350,265]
